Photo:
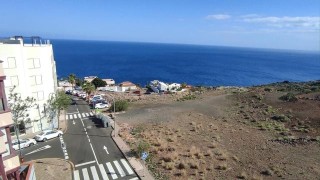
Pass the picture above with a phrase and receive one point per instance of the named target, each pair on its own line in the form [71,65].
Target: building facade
[30,67]
[9,159]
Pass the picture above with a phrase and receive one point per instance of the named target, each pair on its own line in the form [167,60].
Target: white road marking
[76,175]
[94,173]
[75,116]
[135,178]
[91,114]
[40,149]
[87,114]
[94,154]
[83,115]
[120,170]
[126,165]
[83,164]
[111,170]
[70,116]
[67,117]
[103,172]
[85,174]
[105,148]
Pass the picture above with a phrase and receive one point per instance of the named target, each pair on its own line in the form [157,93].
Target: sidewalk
[137,164]
[53,168]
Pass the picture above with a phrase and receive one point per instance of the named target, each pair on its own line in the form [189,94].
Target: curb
[144,167]
[124,154]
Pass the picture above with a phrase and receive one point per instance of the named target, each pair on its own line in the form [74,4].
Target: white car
[101,106]
[23,143]
[48,134]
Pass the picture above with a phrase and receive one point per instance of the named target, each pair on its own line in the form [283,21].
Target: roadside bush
[289,97]
[281,118]
[121,105]
[143,147]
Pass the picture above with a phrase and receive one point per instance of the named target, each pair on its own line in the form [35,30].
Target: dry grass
[222,167]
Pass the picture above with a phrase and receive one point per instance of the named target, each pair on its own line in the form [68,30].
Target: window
[38,95]
[10,64]
[14,80]
[35,80]
[34,63]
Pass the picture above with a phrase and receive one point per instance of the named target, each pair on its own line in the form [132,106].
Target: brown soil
[227,134]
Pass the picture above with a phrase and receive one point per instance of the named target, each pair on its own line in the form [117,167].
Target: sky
[276,24]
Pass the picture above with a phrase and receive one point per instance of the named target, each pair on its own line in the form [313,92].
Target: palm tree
[72,79]
[88,88]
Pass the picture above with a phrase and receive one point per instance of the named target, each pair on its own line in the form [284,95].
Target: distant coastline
[193,64]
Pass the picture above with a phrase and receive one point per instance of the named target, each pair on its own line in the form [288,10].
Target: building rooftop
[26,41]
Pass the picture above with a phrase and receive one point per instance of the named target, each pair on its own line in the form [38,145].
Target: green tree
[79,82]
[88,88]
[19,110]
[72,79]
[120,105]
[60,101]
[97,82]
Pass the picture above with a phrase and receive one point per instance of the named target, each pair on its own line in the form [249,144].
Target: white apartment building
[30,66]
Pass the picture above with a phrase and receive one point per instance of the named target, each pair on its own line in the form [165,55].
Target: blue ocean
[193,64]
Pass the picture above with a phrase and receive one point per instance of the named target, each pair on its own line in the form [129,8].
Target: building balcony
[11,163]
[5,119]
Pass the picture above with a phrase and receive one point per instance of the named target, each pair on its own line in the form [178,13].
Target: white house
[174,86]
[90,78]
[110,82]
[32,69]
[158,86]
[65,85]
[126,86]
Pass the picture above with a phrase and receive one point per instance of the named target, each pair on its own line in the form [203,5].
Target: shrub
[194,165]
[289,97]
[121,105]
[181,165]
[143,147]
[281,118]
[222,167]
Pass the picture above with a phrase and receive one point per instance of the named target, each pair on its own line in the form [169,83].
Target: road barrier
[105,119]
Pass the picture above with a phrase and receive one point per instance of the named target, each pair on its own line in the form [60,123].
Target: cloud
[286,21]
[218,17]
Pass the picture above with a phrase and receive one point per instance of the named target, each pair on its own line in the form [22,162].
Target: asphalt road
[49,149]
[90,147]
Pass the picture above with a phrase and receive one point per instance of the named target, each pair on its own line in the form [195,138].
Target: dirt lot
[227,134]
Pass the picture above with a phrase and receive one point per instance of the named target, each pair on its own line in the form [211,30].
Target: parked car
[23,143]
[95,97]
[69,91]
[100,106]
[83,95]
[48,134]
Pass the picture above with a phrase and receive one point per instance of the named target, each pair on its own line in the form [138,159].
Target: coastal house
[158,86]
[110,82]
[126,86]
[89,79]
[9,159]
[29,65]
[174,86]
[65,85]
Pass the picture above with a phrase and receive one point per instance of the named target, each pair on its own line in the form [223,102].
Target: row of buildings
[28,65]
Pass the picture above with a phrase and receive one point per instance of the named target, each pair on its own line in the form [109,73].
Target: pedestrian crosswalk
[105,171]
[78,115]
